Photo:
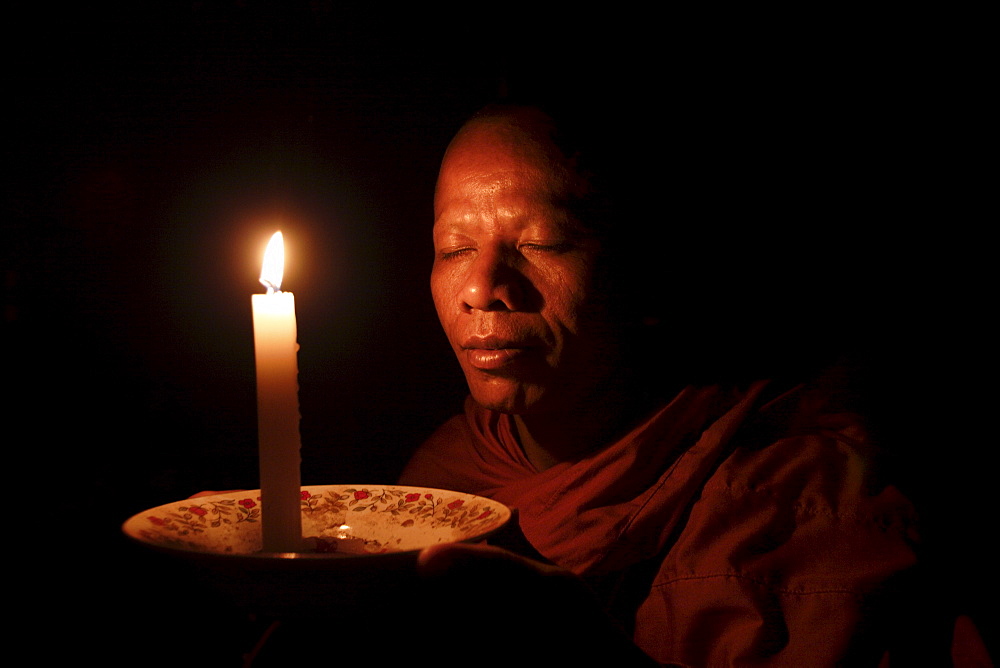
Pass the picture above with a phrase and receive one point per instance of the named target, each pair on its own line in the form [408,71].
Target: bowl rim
[502,509]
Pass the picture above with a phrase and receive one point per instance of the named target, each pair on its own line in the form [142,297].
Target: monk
[659,518]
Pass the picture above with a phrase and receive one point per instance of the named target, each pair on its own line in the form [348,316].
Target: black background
[152,152]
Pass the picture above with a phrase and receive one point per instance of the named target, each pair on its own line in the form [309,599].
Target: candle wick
[271,287]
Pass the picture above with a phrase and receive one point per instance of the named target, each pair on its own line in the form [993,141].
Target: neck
[554,437]
[544,443]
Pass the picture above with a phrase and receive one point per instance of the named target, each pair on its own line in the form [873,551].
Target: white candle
[276,353]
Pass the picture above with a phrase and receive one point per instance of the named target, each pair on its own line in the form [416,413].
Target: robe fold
[734,526]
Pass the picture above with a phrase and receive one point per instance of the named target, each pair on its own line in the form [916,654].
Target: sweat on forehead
[526,138]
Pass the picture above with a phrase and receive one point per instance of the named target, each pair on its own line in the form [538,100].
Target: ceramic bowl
[337,520]
[359,541]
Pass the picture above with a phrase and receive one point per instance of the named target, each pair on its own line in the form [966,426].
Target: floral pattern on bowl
[336,520]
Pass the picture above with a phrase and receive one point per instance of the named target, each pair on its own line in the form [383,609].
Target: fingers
[467,558]
[558,619]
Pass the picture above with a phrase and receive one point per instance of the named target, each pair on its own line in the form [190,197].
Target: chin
[518,396]
[500,403]
[506,396]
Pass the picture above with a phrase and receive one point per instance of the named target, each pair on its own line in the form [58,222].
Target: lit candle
[276,352]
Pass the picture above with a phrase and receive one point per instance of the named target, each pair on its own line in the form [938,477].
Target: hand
[454,558]
[542,611]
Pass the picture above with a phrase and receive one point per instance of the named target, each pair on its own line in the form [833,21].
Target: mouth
[492,353]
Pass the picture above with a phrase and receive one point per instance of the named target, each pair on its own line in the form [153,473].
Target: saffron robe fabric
[732,527]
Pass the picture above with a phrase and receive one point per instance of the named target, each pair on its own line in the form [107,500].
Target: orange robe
[732,527]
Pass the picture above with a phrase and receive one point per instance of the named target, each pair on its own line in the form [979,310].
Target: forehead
[494,161]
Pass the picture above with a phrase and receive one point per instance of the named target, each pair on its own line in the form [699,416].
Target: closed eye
[452,253]
[554,247]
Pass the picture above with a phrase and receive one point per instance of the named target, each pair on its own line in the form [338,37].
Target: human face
[515,273]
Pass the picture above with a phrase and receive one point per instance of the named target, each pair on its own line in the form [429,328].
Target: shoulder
[800,501]
[794,531]
[811,447]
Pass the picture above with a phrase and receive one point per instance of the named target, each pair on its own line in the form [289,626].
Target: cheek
[568,297]
[443,298]
[439,287]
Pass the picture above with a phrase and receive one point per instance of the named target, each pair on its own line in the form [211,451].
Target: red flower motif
[410,498]
[361,494]
[200,512]
[248,503]
[457,503]
[306,495]
[156,520]
[428,496]
[485,513]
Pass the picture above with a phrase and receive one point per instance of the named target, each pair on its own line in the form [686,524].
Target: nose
[493,283]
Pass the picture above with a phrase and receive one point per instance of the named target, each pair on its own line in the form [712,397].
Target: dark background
[152,153]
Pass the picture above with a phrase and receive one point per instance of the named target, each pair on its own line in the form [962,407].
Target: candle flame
[274,264]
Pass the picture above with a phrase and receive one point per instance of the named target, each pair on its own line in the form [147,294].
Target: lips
[493,353]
